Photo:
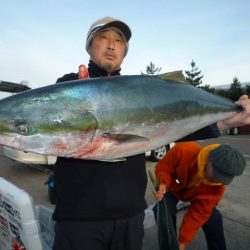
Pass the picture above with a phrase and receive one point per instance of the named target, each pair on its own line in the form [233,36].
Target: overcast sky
[42,40]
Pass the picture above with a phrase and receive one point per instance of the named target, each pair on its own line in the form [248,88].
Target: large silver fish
[107,118]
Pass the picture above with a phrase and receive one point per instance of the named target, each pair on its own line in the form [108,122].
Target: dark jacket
[95,190]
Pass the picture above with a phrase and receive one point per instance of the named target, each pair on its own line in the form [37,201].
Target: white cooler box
[22,225]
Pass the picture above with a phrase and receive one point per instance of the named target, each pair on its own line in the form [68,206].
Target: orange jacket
[178,170]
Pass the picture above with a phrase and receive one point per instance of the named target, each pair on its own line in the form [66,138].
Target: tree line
[194,77]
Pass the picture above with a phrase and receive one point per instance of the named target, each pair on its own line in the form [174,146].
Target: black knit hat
[227,162]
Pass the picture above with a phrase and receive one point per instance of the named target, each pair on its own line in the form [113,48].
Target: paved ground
[234,207]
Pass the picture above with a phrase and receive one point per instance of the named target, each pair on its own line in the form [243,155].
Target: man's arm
[239,119]
[211,131]
[214,130]
[67,77]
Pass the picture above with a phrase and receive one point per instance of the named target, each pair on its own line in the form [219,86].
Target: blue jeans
[213,228]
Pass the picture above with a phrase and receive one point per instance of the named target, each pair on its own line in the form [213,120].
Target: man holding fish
[100,203]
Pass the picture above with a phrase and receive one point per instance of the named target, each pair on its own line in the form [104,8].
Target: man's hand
[83,72]
[238,119]
[182,246]
[159,194]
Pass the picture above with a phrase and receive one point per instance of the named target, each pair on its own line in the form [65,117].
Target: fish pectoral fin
[124,137]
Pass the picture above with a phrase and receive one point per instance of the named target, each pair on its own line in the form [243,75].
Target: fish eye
[23,129]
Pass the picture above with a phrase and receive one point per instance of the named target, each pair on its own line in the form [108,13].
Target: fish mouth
[9,140]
